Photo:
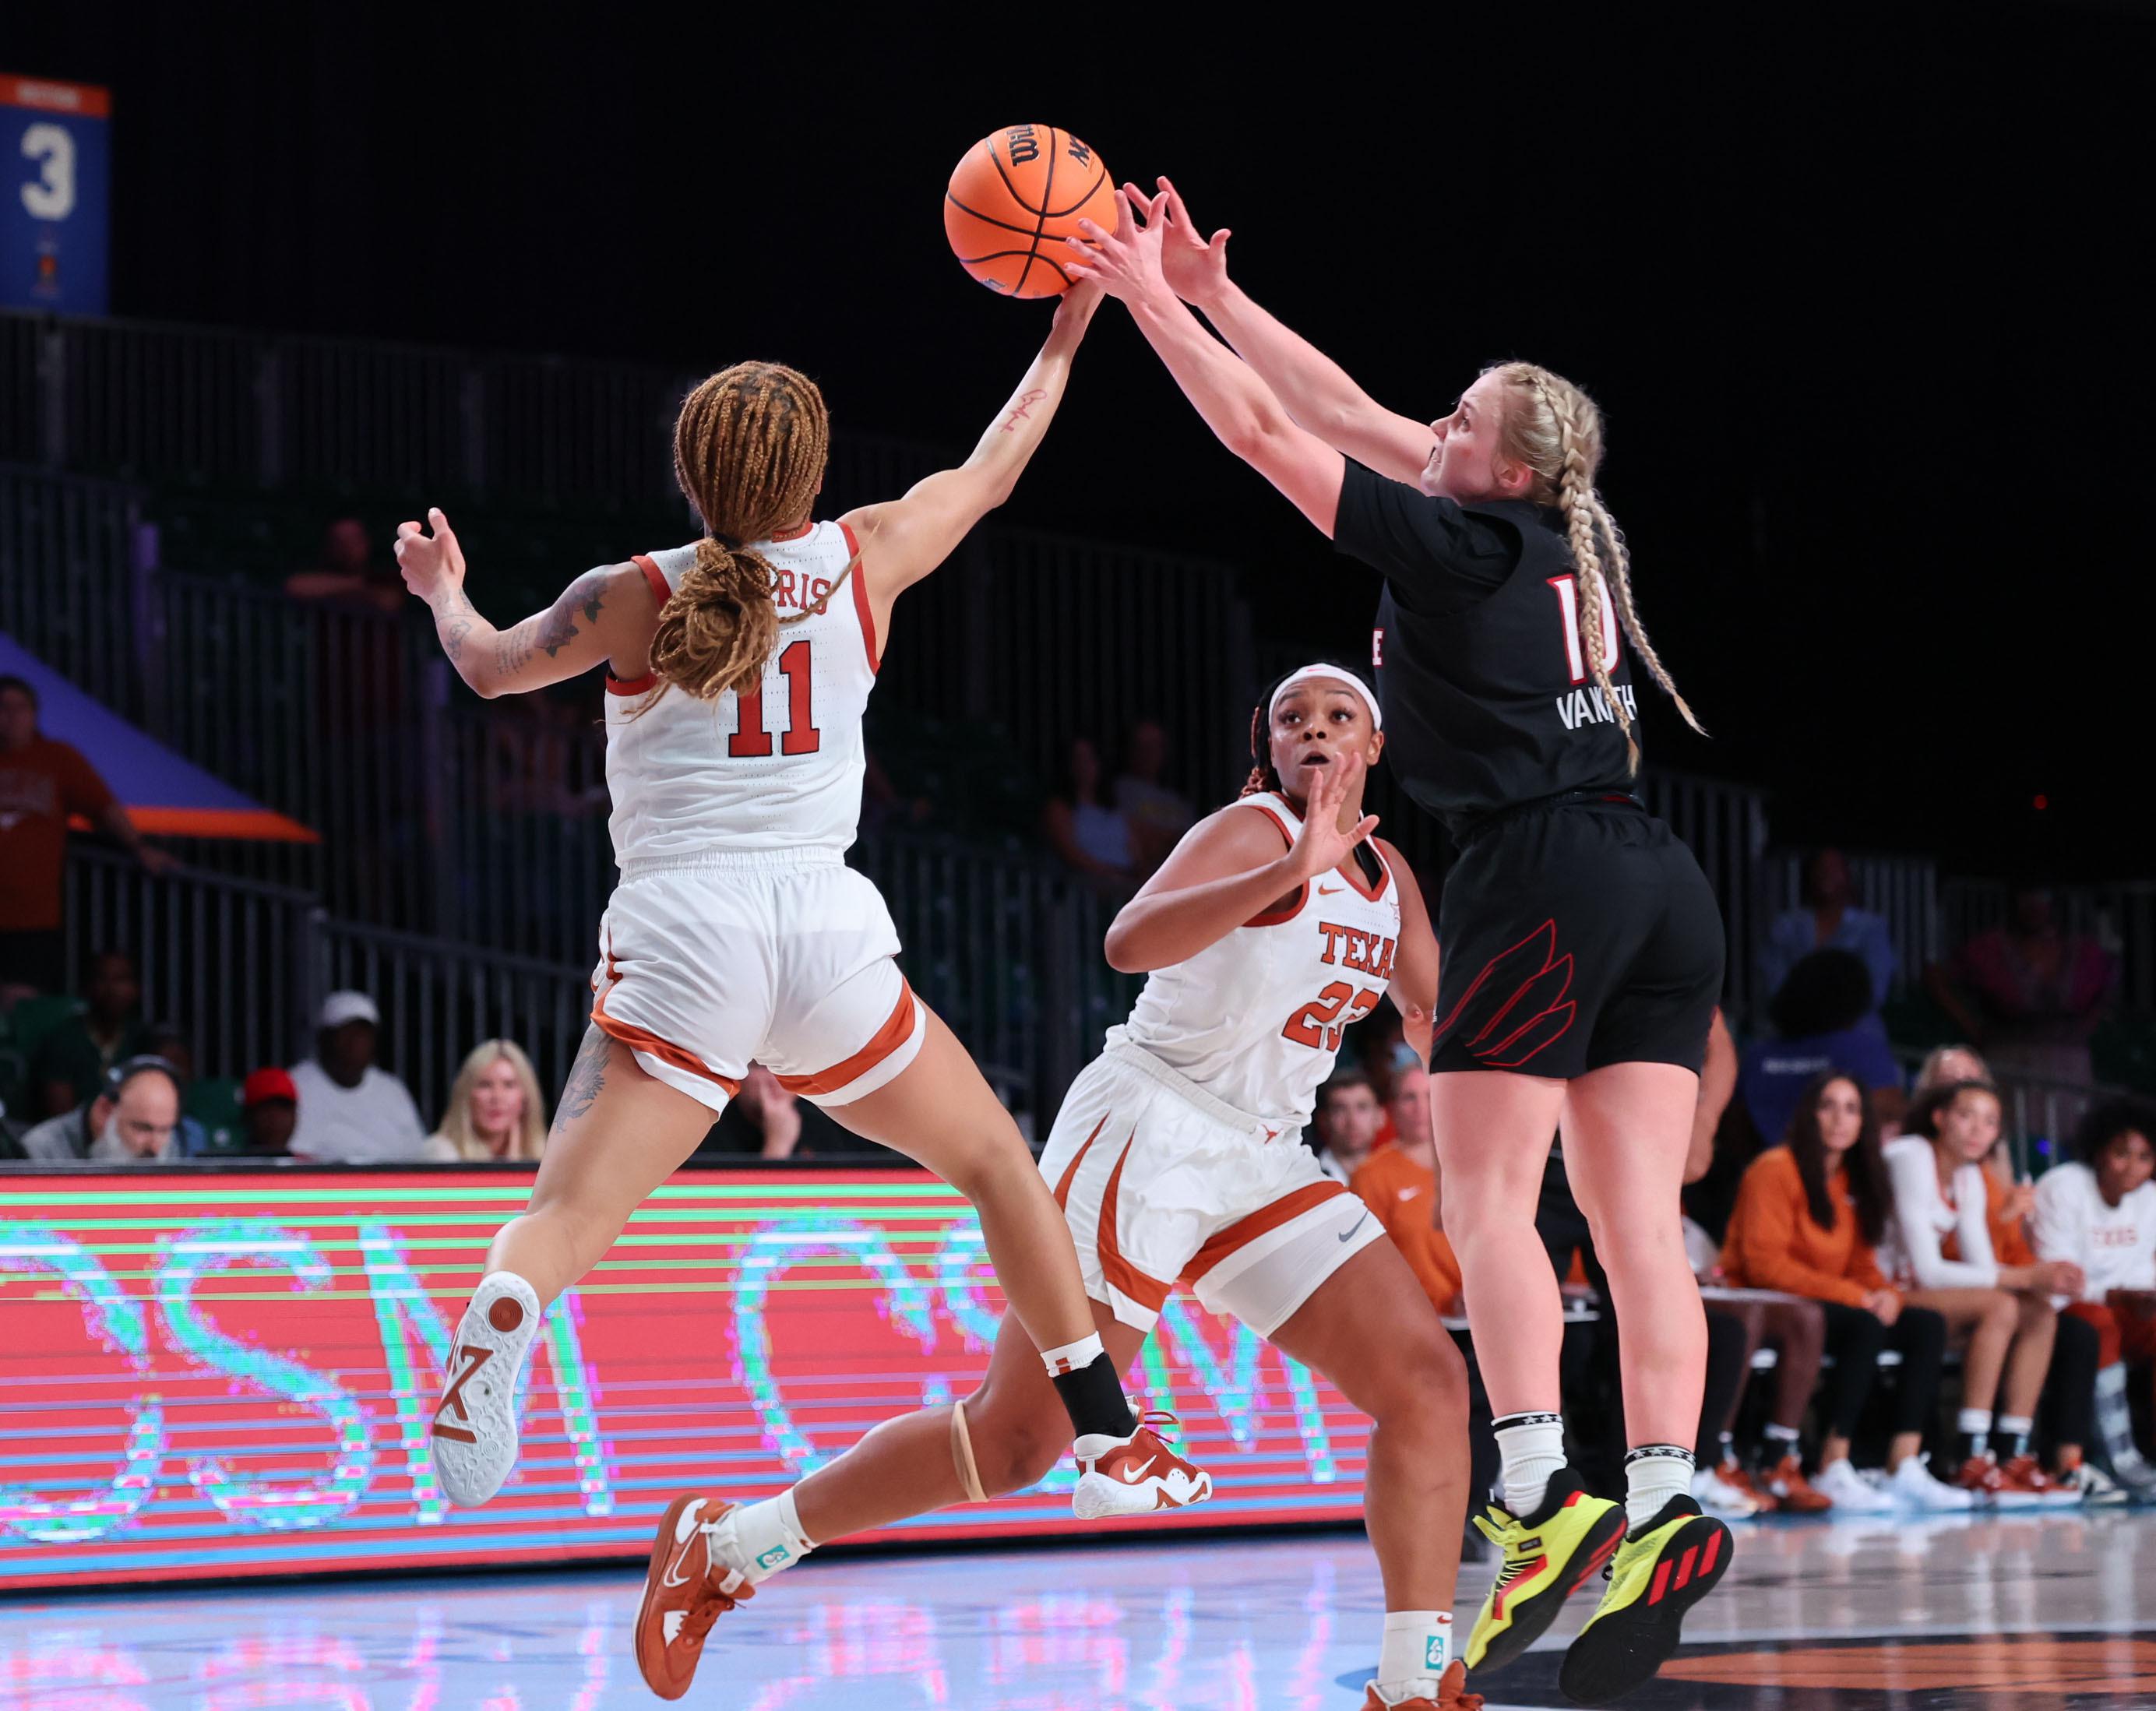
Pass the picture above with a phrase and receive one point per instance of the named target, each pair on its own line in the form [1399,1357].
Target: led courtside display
[233,1373]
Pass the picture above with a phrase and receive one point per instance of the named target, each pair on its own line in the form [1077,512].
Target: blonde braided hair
[1555,430]
[750,449]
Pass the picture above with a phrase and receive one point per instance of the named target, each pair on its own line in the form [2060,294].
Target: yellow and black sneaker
[1545,1559]
[1659,1573]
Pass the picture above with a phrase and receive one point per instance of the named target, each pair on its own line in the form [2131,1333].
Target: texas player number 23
[1321,1022]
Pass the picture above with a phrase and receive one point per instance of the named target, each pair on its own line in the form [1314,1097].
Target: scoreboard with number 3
[56,174]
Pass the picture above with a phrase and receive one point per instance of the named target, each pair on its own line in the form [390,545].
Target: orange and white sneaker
[1135,1475]
[688,1585]
[1794,1491]
[1984,1480]
[473,1435]
[1452,1695]
[2025,1473]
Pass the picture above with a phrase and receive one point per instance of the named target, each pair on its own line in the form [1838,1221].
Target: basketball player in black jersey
[1582,947]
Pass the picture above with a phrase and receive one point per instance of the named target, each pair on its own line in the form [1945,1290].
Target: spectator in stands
[1157,815]
[2098,1214]
[1740,1322]
[69,1063]
[1944,1208]
[1827,918]
[42,782]
[1348,1120]
[497,1111]
[2029,992]
[1400,1185]
[269,1113]
[349,573]
[1818,1018]
[163,1040]
[1094,839]
[351,1111]
[764,1120]
[1810,1217]
[133,1119]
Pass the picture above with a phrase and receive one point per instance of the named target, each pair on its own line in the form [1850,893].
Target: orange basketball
[1017,195]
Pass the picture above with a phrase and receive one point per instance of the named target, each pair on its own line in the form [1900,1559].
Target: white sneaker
[1851,1494]
[2096,1488]
[1134,1475]
[1915,1485]
[473,1435]
[1718,1497]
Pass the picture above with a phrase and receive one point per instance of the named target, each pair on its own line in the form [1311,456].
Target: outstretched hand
[1074,308]
[430,563]
[1321,845]
[1126,262]
[1195,267]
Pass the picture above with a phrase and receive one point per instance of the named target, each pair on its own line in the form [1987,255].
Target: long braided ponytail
[749,451]
[1555,430]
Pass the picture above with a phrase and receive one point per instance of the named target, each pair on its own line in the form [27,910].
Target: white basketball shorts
[1161,1182]
[782,958]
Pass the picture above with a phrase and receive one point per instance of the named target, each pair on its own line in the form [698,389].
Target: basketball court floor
[2034,1614]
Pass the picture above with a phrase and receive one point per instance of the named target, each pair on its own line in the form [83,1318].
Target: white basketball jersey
[779,770]
[1256,1018]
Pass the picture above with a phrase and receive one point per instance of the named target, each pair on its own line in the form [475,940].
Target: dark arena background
[1862,294]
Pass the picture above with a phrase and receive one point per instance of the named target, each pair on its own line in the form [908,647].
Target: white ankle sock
[1417,1645]
[1533,1445]
[1072,1355]
[770,1536]
[1654,1473]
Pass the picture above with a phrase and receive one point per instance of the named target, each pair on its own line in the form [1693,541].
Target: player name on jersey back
[777,770]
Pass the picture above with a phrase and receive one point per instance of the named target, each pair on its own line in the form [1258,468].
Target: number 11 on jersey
[752,741]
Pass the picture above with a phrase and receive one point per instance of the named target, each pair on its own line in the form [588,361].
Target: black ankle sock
[2011,1444]
[1970,1445]
[1093,1396]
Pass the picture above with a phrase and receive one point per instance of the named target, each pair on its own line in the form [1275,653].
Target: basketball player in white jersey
[739,668]
[1178,1155]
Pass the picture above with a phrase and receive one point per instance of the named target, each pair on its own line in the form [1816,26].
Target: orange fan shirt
[1402,1194]
[39,787]
[1774,1243]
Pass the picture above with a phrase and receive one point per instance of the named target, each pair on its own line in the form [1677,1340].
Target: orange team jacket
[1774,1244]
[1401,1194]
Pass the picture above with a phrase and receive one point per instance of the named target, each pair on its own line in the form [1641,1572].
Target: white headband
[1346,676]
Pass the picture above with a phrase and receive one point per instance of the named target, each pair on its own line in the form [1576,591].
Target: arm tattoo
[512,649]
[558,628]
[587,1076]
[1022,410]
[454,622]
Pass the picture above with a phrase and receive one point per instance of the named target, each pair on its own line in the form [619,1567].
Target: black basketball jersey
[1481,668]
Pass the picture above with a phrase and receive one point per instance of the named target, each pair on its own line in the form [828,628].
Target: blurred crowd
[101,1084]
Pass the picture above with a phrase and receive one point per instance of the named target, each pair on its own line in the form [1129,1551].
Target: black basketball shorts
[1572,935]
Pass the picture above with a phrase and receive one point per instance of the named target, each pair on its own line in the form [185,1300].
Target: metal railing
[233,963]
[326,714]
[1903,889]
[69,554]
[207,405]
[439,1001]
[1003,944]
